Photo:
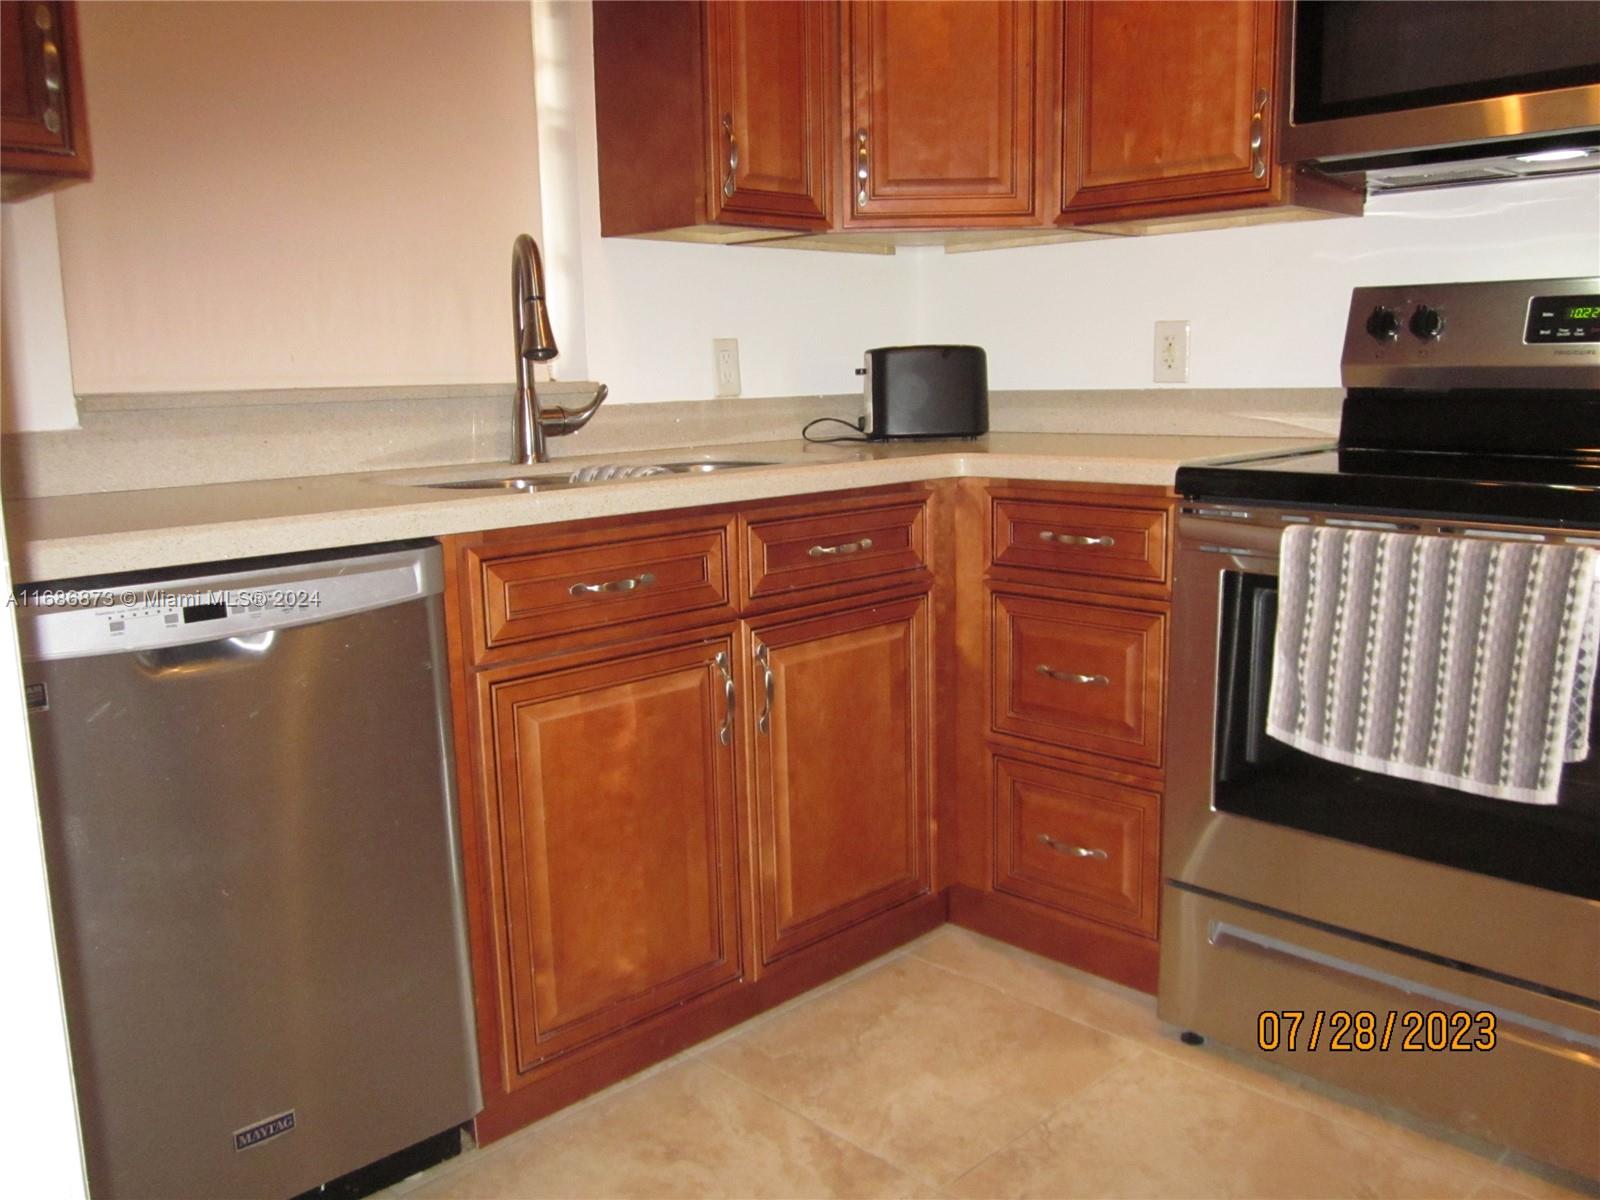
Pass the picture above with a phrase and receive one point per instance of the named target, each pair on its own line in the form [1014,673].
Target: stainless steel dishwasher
[246,793]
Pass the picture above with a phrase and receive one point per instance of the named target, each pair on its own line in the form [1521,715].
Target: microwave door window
[1359,57]
[1256,776]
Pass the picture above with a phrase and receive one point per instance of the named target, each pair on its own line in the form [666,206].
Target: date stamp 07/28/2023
[1359,1030]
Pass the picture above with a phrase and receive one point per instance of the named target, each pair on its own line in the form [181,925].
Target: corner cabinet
[1170,110]
[44,127]
[947,101]
[715,118]
[863,124]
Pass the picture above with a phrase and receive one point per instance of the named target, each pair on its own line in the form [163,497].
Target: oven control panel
[1542,333]
[1563,319]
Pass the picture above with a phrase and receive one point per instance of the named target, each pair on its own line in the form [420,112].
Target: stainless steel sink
[601,473]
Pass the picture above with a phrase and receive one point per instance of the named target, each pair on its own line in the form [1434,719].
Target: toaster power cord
[856,425]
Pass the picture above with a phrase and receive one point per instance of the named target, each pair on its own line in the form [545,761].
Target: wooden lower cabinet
[841,767]
[613,788]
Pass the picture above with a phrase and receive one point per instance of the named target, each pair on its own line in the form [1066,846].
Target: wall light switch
[1172,352]
[726,353]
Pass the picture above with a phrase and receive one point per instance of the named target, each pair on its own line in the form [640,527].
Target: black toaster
[926,392]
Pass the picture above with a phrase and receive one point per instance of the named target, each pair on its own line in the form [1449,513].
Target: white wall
[1266,305]
[35,364]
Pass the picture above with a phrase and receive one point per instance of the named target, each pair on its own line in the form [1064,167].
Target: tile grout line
[827,1129]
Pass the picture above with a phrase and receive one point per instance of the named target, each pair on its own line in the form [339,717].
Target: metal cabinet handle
[724,665]
[733,156]
[613,585]
[764,717]
[50,55]
[1072,851]
[841,548]
[1258,125]
[1072,676]
[1075,539]
[861,168]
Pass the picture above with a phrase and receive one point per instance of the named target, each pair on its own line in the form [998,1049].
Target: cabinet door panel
[772,67]
[943,108]
[615,805]
[841,769]
[1161,99]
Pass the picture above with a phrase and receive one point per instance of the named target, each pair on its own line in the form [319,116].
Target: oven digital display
[1563,319]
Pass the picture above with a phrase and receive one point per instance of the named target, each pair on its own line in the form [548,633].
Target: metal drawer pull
[725,733]
[1073,851]
[764,718]
[613,585]
[1072,677]
[1074,539]
[842,548]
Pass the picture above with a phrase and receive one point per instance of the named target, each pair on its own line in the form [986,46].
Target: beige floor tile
[1157,1127]
[926,1068]
[691,1131]
[1061,989]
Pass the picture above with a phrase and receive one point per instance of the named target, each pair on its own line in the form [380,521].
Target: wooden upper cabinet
[44,129]
[612,789]
[1170,108]
[945,105]
[715,119]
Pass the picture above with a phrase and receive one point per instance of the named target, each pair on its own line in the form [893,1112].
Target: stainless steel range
[1408,940]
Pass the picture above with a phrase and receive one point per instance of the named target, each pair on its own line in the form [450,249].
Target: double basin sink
[583,476]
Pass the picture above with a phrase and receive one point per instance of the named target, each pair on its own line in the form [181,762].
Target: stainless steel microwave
[1374,84]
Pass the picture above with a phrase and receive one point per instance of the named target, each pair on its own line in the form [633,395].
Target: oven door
[1252,819]
[1372,78]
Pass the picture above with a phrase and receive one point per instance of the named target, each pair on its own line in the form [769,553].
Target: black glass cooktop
[1486,454]
[1547,491]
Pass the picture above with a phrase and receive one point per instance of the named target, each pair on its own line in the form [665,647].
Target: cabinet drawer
[571,588]
[1101,541]
[1082,845]
[1084,676]
[796,553]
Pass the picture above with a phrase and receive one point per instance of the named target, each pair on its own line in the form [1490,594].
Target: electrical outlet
[726,353]
[1172,352]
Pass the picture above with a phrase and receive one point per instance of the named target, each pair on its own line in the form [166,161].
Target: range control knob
[1383,324]
[1427,323]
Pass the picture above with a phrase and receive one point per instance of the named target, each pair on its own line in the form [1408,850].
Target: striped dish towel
[1451,661]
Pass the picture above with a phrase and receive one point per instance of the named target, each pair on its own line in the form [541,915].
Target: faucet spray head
[536,341]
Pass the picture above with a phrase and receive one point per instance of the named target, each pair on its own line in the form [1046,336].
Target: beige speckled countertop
[65,537]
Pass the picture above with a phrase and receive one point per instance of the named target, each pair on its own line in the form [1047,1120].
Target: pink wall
[299,194]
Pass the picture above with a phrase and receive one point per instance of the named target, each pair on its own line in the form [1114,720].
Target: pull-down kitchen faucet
[531,422]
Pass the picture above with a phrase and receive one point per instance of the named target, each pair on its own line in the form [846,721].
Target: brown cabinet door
[1167,100]
[841,707]
[945,100]
[772,70]
[612,794]
[44,137]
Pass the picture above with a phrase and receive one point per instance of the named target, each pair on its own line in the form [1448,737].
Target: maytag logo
[263,1131]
